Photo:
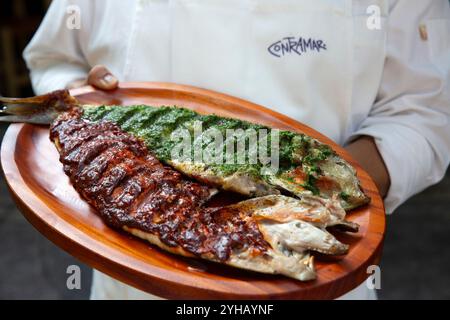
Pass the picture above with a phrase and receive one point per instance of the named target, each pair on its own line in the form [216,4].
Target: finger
[102,78]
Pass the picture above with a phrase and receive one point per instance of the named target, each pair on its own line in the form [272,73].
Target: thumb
[102,78]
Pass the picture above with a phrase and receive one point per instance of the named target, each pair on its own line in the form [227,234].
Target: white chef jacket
[344,67]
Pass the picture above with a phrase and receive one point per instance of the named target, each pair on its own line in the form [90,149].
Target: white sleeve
[54,56]
[410,119]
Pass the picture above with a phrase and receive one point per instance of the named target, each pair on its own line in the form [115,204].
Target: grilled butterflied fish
[133,191]
[105,152]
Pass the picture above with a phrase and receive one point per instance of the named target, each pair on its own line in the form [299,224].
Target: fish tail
[38,110]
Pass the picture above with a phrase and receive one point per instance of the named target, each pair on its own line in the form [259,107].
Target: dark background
[416,256]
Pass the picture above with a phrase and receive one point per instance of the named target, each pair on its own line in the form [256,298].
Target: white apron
[296,57]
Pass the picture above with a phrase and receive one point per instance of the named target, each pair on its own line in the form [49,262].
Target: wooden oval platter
[43,193]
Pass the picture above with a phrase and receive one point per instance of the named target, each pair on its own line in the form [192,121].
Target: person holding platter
[373,75]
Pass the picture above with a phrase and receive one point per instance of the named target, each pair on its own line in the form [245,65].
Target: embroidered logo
[293,45]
